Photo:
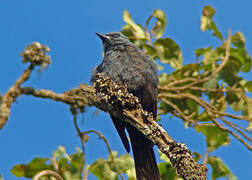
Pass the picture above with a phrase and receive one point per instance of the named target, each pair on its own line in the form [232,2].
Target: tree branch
[11,96]
[108,147]
[47,173]
[36,55]
[116,100]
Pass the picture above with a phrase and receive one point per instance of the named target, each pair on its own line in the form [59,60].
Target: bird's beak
[102,37]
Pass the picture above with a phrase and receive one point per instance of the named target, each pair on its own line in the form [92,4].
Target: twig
[186,95]
[85,173]
[206,157]
[74,113]
[202,103]
[211,111]
[218,69]
[178,82]
[239,126]
[237,129]
[11,96]
[196,88]
[36,55]
[230,132]
[108,147]
[78,130]
[47,173]
[178,110]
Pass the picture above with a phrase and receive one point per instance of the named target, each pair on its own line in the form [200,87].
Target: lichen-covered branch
[11,96]
[116,100]
[36,55]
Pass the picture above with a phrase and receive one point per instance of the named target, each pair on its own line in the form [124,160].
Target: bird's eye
[116,35]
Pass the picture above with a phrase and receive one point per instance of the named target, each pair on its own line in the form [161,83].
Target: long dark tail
[145,161]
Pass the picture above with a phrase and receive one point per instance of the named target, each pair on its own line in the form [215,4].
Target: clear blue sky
[37,127]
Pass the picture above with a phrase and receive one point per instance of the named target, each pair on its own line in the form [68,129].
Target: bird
[125,63]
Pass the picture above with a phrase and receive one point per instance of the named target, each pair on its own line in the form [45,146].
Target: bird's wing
[120,127]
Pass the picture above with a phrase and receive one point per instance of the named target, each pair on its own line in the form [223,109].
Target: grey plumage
[124,62]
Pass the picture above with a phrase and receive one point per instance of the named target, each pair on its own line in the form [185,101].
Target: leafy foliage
[106,169]
[67,166]
[164,49]
[220,169]
[29,170]
[214,136]
[72,166]
[166,169]
[207,22]
[200,93]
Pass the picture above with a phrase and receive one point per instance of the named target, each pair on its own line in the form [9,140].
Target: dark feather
[120,127]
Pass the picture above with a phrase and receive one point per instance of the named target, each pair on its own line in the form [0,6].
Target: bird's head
[113,39]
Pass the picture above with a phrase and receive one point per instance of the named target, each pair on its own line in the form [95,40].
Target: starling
[125,63]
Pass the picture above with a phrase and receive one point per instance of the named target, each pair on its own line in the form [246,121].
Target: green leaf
[208,11]
[214,97]
[169,52]
[203,117]
[163,157]
[36,165]
[242,57]
[18,170]
[159,28]
[197,156]
[212,83]
[163,78]
[77,162]
[248,86]
[216,31]
[238,40]
[231,66]
[63,164]
[192,106]
[101,169]
[207,22]
[236,101]
[150,50]
[220,169]
[166,171]
[126,165]
[214,136]
[60,152]
[201,51]
[124,162]
[137,29]
[210,57]
[248,110]
[107,169]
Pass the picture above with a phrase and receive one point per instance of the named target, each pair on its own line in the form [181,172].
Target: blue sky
[37,127]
